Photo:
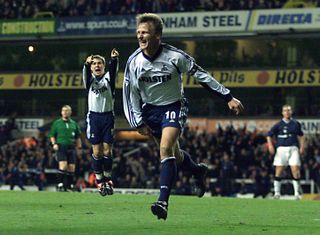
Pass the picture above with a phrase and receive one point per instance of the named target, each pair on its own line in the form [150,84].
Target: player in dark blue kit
[100,118]
[289,145]
[154,102]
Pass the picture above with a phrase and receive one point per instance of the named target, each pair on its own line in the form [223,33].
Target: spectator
[17,175]
[211,150]
[62,8]
[262,182]
[226,176]
[183,186]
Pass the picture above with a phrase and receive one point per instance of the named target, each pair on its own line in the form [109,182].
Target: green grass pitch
[48,213]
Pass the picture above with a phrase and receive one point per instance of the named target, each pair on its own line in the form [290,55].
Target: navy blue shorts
[100,127]
[159,117]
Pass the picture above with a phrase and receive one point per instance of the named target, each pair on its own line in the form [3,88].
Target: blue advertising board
[99,25]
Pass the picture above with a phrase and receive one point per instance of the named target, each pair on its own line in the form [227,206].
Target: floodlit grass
[88,213]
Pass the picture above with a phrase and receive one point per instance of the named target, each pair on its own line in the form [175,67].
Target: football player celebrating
[154,102]
[100,86]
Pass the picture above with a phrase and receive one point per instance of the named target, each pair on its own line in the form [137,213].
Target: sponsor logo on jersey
[99,90]
[161,78]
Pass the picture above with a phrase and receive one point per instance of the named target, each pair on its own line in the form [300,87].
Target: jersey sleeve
[300,132]
[273,131]
[113,70]
[131,99]
[78,131]
[53,130]
[188,65]
[86,76]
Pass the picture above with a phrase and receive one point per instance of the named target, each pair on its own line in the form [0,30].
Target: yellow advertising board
[229,78]
[41,81]
[266,78]
[27,27]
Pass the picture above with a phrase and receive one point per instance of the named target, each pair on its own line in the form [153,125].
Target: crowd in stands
[230,154]
[9,130]
[17,9]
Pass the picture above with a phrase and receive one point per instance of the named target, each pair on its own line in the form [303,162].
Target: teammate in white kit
[289,144]
[154,102]
[100,86]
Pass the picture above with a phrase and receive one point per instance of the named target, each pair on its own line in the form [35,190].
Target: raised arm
[86,73]
[113,67]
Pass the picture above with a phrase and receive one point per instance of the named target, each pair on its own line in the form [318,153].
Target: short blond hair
[66,107]
[286,106]
[154,19]
[99,57]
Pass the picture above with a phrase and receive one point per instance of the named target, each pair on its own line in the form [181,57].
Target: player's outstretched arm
[235,105]
[86,72]
[188,64]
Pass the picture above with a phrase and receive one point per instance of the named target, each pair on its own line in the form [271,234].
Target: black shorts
[66,153]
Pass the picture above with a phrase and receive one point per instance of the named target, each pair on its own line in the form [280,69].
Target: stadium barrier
[155,192]
[307,183]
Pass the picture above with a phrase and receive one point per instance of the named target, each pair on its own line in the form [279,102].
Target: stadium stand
[18,9]
[238,162]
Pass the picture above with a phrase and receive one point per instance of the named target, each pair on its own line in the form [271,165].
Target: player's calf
[200,180]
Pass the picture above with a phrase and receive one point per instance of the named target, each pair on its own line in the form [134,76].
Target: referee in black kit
[65,138]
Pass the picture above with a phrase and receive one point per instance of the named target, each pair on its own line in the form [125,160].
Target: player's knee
[63,166]
[166,150]
[71,168]
[179,156]
[296,175]
[96,157]
[106,152]
[95,152]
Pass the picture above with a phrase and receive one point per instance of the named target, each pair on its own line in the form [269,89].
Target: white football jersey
[100,91]
[158,80]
